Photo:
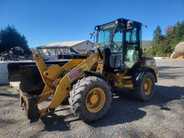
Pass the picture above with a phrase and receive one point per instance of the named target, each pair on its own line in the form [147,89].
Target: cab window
[117,42]
[132,47]
[131,36]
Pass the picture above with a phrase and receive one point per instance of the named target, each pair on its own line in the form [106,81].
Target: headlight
[150,62]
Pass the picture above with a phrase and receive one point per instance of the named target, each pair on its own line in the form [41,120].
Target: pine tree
[10,37]
[164,45]
[157,37]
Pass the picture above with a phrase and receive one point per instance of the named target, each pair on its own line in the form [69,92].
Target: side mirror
[130,25]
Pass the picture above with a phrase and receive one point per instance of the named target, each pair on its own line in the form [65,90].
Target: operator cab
[121,42]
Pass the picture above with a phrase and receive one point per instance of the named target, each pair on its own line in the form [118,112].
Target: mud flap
[28,102]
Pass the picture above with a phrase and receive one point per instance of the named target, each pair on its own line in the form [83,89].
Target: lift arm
[58,82]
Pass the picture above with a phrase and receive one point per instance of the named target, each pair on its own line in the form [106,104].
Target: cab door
[132,46]
[116,46]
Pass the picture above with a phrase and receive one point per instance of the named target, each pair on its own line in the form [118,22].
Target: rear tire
[146,88]
[90,98]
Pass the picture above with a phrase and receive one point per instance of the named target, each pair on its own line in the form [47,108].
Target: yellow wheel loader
[88,79]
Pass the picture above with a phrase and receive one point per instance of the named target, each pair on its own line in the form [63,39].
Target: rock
[179,50]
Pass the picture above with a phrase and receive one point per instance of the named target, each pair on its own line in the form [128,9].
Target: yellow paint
[147,86]
[84,67]
[62,85]
[53,72]
[44,96]
[95,100]
[122,79]
[100,64]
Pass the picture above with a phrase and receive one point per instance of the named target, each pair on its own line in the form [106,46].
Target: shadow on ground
[161,68]
[169,72]
[9,95]
[126,109]
[123,108]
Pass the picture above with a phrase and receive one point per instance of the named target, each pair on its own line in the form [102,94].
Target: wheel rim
[148,86]
[95,100]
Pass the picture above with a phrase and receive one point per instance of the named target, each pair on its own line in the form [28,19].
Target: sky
[46,21]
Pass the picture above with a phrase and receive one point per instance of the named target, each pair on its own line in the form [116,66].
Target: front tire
[90,98]
[146,88]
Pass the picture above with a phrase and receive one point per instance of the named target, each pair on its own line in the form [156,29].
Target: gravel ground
[163,116]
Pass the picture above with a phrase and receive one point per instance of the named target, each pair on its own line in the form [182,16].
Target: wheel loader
[88,79]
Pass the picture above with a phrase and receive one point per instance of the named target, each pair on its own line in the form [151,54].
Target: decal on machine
[77,72]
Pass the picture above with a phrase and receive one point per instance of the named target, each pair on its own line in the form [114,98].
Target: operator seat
[112,61]
[131,56]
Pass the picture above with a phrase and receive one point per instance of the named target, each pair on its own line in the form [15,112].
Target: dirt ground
[180,57]
[163,116]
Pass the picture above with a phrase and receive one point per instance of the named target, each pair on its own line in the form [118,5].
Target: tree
[10,37]
[157,33]
[164,45]
[169,30]
[157,38]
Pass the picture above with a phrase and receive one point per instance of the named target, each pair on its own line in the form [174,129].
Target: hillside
[146,44]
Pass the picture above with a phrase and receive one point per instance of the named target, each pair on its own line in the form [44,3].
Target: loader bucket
[28,75]
[30,80]
[31,85]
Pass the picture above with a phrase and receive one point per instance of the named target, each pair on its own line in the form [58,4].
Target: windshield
[111,35]
[105,33]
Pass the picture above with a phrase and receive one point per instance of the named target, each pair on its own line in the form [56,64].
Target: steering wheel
[114,46]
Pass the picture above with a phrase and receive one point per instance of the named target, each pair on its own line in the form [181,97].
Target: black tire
[79,94]
[65,101]
[138,91]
